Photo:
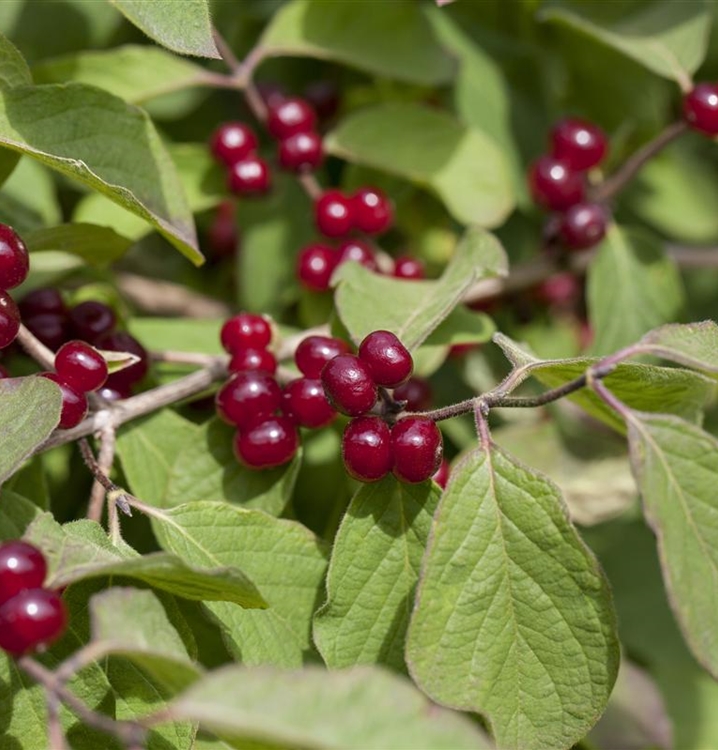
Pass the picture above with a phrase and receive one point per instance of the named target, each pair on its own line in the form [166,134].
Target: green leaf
[86,133]
[513,617]
[183,334]
[373,573]
[668,38]
[13,68]
[693,345]
[363,708]
[183,26]
[29,412]
[464,167]
[28,199]
[283,558]
[394,40]
[16,514]
[97,245]
[414,309]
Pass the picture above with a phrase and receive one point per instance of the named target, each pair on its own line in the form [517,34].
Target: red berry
[407,267]
[74,402]
[700,108]
[253,359]
[289,116]
[441,477]
[90,320]
[41,301]
[81,366]
[334,214]
[271,92]
[9,319]
[121,341]
[561,290]
[417,447]
[323,96]
[247,396]
[315,266]
[304,401]
[554,185]
[113,394]
[580,143]
[222,235]
[22,566]
[359,252]
[232,142]
[583,225]
[373,212]
[349,385]
[266,444]
[416,392]
[14,260]
[245,331]
[301,152]
[249,176]
[386,358]
[50,328]
[314,352]
[366,449]
[32,619]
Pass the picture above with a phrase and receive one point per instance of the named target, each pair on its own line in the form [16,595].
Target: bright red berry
[74,402]
[349,385]
[90,320]
[304,401]
[314,352]
[22,566]
[407,267]
[32,619]
[366,449]
[554,185]
[416,392]
[581,144]
[253,359]
[359,252]
[267,443]
[289,116]
[583,225]
[334,214]
[42,301]
[323,96]
[52,329]
[373,211]
[14,260]
[315,266]
[441,477]
[81,366]
[9,319]
[222,235]
[561,290]
[245,331]
[249,176]
[386,358]
[301,152]
[700,108]
[232,142]
[417,448]
[121,341]
[247,396]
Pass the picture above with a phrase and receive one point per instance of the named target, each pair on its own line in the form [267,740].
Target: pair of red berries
[31,617]
[247,338]
[368,210]
[14,267]
[234,145]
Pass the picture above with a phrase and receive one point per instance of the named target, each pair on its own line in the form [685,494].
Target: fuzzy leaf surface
[693,345]
[97,245]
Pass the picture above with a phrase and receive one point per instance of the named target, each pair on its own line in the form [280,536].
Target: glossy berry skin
[366,449]
[30,620]
[121,341]
[267,443]
[315,266]
[349,385]
[74,402]
[583,226]
[14,260]
[247,396]
[22,566]
[406,267]
[359,252]
[232,142]
[81,366]
[417,448]
[250,176]
[416,392]
[253,359]
[386,358]
[52,329]
[554,185]
[441,476]
[290,116]
[314,352]
[9,319]
[580,143]
[113,394]
[90,320]
[245,331]
[373,212]
[301,152]
[334,214]
[42,301]
[305,402]
[700,108]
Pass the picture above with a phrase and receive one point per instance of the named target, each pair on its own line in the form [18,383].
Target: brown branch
[105,459]
[166,298]
[36,349]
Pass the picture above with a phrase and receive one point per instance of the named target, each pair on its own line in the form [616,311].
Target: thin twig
[36,349]
[55,735]
[105,459]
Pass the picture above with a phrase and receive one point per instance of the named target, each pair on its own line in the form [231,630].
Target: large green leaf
[464,167]
[13,72]
[97,245]
[693,345]
[513,616]
[16,514]
[28,198]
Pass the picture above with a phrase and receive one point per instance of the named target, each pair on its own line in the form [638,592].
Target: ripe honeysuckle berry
[42,301]
[583,225]
[271,92]
[222,235]
[373,212]
[267,443]
[417,448]
[580,143]
[416,392]
[31,620]
[14,260]
[700,108]
[441,476]
[323,97]
[81,366]
[315,266]
[121,341]
[334,214]
[366,449]
[232,142]
[358,251]
[349,385]
[253,359]
[301,152]
[22,566]
[250,176]
[50,328]
[290,116]
[554,185]
[113,394]
[74,402]
[304,401]
[245,331]
[406,267]
[91,319]
[314,352]
[561,290]
[386,358]
[9,319]
[247,396]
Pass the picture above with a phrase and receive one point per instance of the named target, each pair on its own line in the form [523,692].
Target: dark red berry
[41,301]
[113,394]
[554,185]
[417,448]
[22,566]
[323,96]
[247,396]
[359,252]
[267,443]
[74,402]
[30,620]
[366,449]
[304,401]
[50,328]
[14,260]
[373,212]
[561,290]
[314,352]
[334,214]
[232,142]
[253,359]
[90,320]
[271,92]
[289,116]
[580,143]
[700,108]
[301,152]
[245,331]
[407,267]
[386,358]
[249,176]
[349,385]
[81,366]
[222,235]
[416,392]
[583,225]
[9,319]
[315,266]
[121,341]
[441,477]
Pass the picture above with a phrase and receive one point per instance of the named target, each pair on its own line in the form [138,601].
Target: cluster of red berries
[14,267]
[31,617]
[558,182]
[700,108]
